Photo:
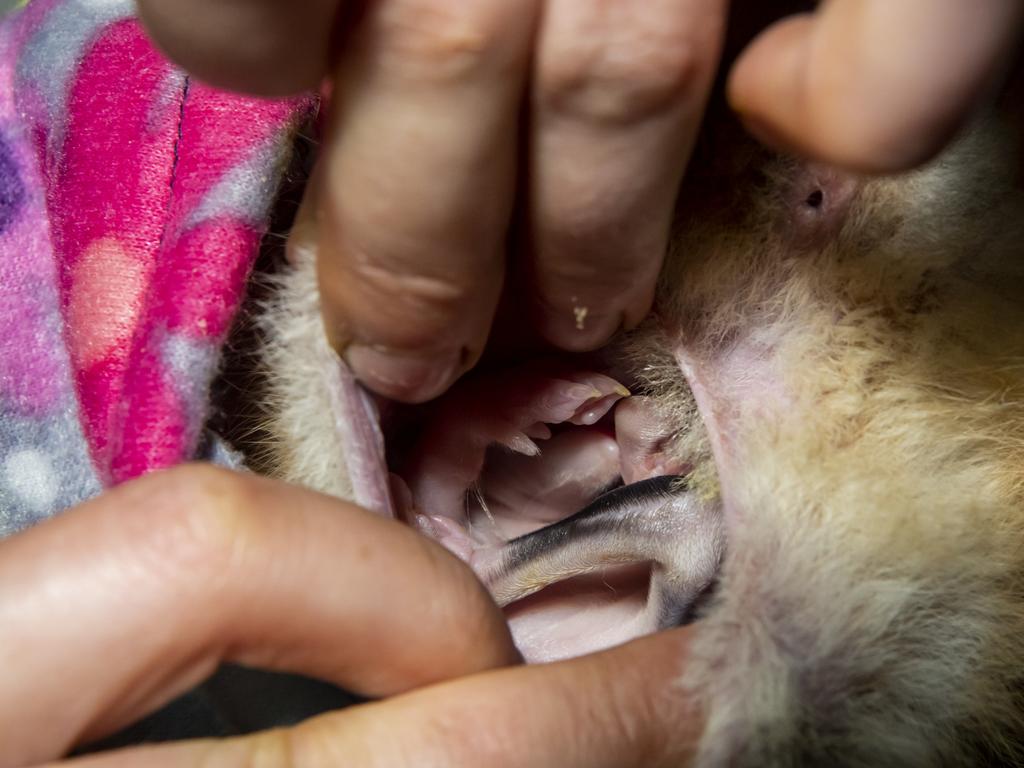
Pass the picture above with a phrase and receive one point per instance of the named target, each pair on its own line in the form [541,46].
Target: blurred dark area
[235,701]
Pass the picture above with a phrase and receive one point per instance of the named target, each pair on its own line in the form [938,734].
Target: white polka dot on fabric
[102,3]
[29,474]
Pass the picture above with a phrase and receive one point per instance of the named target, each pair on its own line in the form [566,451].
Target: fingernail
[403,376]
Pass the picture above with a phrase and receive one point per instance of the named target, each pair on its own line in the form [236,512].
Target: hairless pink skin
[356,420]
[641,436]
[510,410]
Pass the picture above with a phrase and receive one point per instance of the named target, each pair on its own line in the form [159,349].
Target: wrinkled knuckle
[195,522]
[592,82]
[401,292]
[593,278]
[417,287]
[440,40]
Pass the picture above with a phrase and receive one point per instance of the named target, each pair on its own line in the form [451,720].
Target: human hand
[447,116]
[874,85]
[116,607]
[572,121]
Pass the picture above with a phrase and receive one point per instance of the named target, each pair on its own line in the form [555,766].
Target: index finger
[160,580]
[416,187]
[874,85]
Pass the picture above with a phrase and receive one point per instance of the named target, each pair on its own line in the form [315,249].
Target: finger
[874,85]
[415,196]
[259,46]
[122,604]
[618,95]
[619,709]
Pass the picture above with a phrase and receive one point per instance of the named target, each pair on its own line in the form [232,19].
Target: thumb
[622,708]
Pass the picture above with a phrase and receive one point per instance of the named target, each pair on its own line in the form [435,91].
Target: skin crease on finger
[422,133]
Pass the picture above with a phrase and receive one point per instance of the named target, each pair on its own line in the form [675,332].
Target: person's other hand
[874,85]
[115,607]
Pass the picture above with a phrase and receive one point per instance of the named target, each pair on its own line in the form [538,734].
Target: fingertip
[845,86]
[764,83]
[409,377]
[406,375]
[261,47]
[405,336]
[399,336]
[586,321]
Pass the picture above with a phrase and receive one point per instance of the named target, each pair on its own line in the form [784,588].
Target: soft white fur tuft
[300,393]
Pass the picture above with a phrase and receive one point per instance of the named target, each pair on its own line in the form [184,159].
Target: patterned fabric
[132,203]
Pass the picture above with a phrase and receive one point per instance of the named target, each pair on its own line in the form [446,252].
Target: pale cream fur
[299,384]
[872,601]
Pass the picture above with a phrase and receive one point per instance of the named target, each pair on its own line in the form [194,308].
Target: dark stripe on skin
[603,514]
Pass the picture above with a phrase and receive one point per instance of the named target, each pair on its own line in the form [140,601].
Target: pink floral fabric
[132,204]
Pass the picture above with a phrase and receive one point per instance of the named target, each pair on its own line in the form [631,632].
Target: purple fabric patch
[12,190]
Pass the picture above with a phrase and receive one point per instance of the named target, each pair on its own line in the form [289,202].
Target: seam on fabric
[186,86]
[115,439]
[173,175]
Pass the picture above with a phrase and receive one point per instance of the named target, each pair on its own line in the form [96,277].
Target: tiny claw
[520,443]
[605,385]
[538,431]
[592,412]
[565,400]
[424,525]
